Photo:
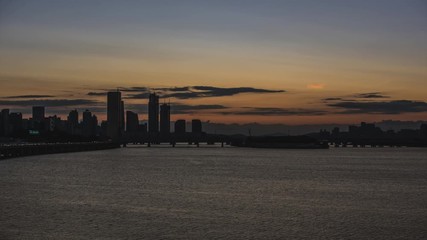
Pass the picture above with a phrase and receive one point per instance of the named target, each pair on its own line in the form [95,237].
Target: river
[216,193]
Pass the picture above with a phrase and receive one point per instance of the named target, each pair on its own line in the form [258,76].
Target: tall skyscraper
[132,122]
[153,113]
[196,126]
[38,113]
[114,115]
[165,119]
[180,126]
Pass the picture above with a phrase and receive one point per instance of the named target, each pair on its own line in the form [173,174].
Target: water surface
[216,193]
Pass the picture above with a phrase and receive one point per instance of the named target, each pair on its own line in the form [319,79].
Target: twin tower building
[156,127]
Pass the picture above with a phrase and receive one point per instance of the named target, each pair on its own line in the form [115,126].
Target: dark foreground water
[216,193]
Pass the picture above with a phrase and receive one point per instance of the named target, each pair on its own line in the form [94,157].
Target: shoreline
[14,151]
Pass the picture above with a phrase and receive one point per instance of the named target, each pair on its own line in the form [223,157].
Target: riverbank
[12,151]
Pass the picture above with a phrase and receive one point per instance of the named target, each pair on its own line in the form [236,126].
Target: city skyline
[119,121]
[270,62]
[123,121]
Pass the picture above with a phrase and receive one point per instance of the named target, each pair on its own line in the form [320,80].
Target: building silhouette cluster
[158,127]
[369,134]
[124,127]
[42,127]
[120,125]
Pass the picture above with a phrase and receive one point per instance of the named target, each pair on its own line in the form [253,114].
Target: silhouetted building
[73,122]
[143,128]
[88,124]
[4,123]
[38,113]
[25,125]
[114,115]
[196,126]
[132,122]
[54,123]
[153,113]
[104,128]
[423,129]
[165,119]
[336,130]
[73,118]
[180,126]
[122,116]
[94,125]
[366,130]
[16,124]
[1,125]
[87,117]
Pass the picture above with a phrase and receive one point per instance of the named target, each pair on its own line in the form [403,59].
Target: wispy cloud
[357,97]
[177,108]
[332,99]
[28,96]
[190,92]
[275,112]
[49,102]
[387,107]
[371,95]
[133,89]
[97,93]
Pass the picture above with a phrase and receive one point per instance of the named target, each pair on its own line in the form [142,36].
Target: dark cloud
[183,95]
[276,112]
[29,96]
[138,96]
[122,89]
[371,95]
[358,96]
[332,99]
[173,89]
[209,91]
[49,102]
[341,100]
[133,89]
[189,92]
[390,107]
[177,108]
[97,93]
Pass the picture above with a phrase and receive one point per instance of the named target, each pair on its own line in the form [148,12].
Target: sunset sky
[285,61]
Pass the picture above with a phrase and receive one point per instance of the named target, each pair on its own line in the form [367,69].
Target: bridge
[376,142]
[173,139]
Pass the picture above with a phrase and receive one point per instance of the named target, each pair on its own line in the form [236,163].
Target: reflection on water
[224,193]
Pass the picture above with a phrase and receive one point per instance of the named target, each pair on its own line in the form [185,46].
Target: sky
[271,61]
